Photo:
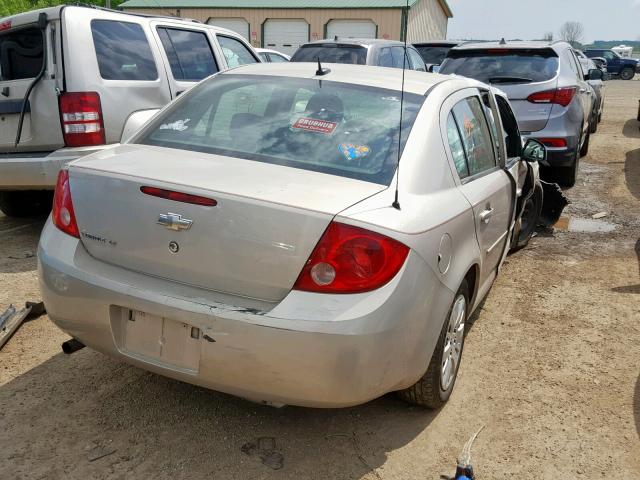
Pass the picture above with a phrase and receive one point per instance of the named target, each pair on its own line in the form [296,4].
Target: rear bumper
[309,350]
[37,170]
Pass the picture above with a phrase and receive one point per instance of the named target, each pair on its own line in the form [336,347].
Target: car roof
[382,77]
[510,44]
[356,41]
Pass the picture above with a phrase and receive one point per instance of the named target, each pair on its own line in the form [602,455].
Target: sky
[530,19]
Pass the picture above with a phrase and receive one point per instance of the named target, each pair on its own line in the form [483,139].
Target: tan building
[284,25]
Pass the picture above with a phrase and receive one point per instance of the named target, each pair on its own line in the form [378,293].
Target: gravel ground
[551,367]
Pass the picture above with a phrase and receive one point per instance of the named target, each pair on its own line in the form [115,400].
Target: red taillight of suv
[561,96]
[350,259]
[81,119]
[62,213]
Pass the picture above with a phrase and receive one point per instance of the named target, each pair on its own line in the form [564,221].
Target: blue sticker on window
[354,152]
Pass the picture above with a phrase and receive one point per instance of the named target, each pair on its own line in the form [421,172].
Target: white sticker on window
[179,125]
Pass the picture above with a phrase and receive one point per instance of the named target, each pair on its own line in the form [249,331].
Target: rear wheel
[566,176]
[627,74]
[593,125]
[26,203]
[436,385]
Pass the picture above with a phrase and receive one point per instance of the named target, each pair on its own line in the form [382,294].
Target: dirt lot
[551,367]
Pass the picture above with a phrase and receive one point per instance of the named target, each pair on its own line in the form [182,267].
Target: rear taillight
[561,96]
[553,142]
[81,119]
[350,259]
[62,213]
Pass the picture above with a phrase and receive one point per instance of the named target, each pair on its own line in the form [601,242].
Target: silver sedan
[278,234]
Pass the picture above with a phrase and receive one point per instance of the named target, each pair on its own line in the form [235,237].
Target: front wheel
[627,74]
[435,387]
[529,218]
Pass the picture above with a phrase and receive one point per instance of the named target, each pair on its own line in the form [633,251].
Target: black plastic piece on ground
[71,346]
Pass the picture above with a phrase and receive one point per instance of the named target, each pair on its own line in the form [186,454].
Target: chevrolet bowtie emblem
[174,221]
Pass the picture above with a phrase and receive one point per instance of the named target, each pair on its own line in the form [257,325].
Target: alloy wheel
[452,351]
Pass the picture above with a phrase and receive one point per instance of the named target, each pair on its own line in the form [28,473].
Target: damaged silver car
[296,234]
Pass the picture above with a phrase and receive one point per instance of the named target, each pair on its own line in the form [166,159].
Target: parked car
[80,73]
[548,92]
[598,88]
[267,55]
[361,51]
[433,53]
[625,68]
[257,237]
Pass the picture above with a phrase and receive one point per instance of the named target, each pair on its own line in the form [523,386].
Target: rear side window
[503,65]
[332,53]
[20,54]
[416,61]
[455,144]
[122,51]
[433,54]
[189,54]
[277,58]
[476,139]
[235,52]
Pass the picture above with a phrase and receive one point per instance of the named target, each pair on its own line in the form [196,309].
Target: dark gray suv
[361,51]
[547,89]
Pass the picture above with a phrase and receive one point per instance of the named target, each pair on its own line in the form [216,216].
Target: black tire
[566,176]
[529,218]
[28,203]
[428,391]
[627,74]
[593,125]
[584,150]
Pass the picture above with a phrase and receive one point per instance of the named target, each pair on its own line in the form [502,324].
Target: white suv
[70,77]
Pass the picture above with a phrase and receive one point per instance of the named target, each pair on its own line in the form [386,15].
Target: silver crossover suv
[258,238]
[547,89]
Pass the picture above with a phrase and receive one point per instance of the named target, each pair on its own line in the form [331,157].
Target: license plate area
[160,340]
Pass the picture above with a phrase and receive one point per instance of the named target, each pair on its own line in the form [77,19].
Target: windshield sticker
[354,152]
[314,125]
[179,125]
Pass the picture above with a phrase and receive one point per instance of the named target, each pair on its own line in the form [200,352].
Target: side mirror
[534,151]
[135,121]
[595,74]
[434,68]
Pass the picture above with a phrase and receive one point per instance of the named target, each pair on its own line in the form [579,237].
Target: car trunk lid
[253,242]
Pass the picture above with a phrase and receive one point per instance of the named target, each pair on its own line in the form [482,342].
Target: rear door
[188,52]
[482,181]
[24,48]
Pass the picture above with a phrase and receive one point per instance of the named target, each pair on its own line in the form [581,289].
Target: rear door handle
[485,215]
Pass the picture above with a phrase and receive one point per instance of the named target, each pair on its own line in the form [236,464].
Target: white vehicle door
[481,179]
[187,54]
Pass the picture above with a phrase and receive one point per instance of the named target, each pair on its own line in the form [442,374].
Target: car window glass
[608,55]
[476,138]
[345,129]
[277,58]
[22,54]
[122,51]
[510,127]
[331,53]
[457,150]
[235,52]
[491,120]
[385,59]
[264,56]
[189,54]
[398,61]
[433,54]
[416,60]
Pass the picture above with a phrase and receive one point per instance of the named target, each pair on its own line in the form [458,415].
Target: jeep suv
[70,77]
[547,90]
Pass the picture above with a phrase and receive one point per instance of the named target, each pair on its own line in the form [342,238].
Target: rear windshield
[331,53]
[21,54]
[123,51]
[330,127]
[433,54]
[503,65]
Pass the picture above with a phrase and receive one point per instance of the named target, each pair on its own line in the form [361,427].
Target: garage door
[238,25]
[285,35]
[351,29]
